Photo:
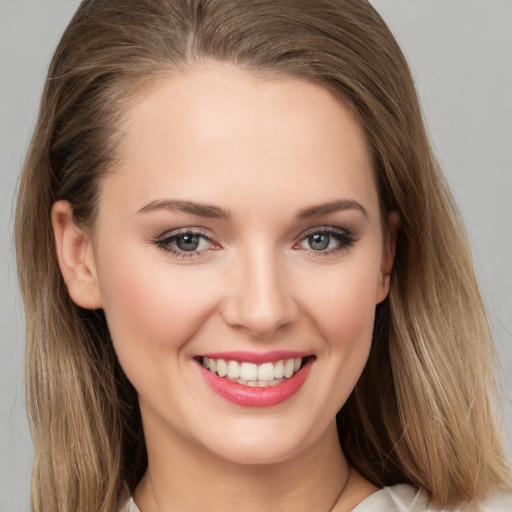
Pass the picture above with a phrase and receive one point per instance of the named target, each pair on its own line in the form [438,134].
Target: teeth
[222,368]
[288,368]
[210,364]
[254,375]
[278,370]
[266,371]
[233,370]
[249,371]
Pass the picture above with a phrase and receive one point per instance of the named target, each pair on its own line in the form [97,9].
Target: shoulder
[405,498]
[397,498]
[501,502]
[402,498]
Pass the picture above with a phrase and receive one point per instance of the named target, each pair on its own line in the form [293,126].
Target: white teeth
[249,371]
[233,369]
[278,370]
[266,371]
[254,375]
[288,368]
[222,368]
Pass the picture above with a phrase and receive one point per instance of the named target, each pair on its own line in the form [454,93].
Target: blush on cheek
[154,309]
[347,322]
[349,328]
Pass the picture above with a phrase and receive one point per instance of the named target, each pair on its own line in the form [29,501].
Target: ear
[388,256]
[76,258]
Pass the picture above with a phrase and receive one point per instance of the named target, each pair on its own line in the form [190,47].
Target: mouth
[254,375]
[255,380]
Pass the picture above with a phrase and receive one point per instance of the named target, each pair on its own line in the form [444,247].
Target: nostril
[259,324]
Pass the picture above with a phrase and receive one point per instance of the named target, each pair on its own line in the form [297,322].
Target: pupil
[188,242]
[319,242]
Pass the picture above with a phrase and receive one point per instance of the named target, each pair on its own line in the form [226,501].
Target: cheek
[342,303]
[152,309]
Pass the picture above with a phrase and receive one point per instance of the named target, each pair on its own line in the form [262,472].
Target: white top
[401,498]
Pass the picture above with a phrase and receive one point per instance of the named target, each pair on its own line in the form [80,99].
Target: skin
[263,150]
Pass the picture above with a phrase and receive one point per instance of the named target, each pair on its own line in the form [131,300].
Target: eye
[319,241]
[189,243]
[186,243]
[326,240]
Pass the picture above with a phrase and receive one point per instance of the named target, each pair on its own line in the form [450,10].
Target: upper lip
[256,357]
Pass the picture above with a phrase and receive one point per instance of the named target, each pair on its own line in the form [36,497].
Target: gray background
[460,53]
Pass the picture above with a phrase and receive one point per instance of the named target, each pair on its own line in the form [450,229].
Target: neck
[182,476]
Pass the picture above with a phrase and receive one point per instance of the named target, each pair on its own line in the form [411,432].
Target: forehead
[218,129]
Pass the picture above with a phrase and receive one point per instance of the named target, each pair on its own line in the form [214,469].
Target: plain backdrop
[460,53]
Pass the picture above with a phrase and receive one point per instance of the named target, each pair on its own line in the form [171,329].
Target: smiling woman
[252,297]
[245,281]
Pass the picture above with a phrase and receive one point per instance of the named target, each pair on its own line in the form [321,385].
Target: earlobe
[393,226]
[75,257]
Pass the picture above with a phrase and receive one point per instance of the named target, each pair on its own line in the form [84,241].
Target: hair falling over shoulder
[423,411]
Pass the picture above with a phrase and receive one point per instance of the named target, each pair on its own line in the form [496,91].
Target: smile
[251,381]
[254,375]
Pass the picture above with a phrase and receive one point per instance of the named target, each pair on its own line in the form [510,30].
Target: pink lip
[256,357]
[256,397]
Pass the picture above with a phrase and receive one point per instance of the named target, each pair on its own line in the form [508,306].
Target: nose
[259,300]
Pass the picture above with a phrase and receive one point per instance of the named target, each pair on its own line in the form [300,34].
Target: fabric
[405,498]
[400,498]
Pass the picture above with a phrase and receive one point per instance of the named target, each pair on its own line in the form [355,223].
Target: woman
[246,283]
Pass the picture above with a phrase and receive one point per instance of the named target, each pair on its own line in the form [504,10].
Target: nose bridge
[261,300]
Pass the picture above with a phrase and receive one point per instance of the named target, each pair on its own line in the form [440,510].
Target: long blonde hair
[422,411]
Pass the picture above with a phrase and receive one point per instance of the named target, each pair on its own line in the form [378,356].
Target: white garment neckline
[402,496]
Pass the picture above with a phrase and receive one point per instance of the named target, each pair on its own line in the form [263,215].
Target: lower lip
[257,397]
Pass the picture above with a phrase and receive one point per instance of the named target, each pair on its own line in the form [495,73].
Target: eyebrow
[210,211]
[202,210]
[331,207]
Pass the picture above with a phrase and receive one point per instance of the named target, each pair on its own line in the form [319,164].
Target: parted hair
[423,411]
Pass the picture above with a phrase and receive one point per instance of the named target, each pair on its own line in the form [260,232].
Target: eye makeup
[192,243]
[325,241]
[186,243]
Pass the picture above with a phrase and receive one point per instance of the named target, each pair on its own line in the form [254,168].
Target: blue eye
[326,240]
[188,243]
[319,241]
[185,244]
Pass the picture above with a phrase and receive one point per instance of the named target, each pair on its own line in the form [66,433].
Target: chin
[257,454]
[263,444]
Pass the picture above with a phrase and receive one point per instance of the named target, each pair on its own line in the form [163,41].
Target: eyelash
[345,238]
[165,242]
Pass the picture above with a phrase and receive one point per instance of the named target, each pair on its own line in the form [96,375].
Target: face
[238,256]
